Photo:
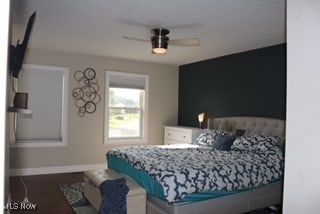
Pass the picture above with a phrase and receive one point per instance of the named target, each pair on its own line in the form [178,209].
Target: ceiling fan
[160,40]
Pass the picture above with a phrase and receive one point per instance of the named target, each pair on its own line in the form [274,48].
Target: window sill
[38,143]
[124,141]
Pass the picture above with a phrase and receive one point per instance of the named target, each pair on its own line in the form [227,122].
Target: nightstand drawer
[175,135]
[180,134]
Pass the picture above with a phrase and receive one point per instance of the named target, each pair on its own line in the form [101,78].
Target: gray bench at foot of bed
[136,198]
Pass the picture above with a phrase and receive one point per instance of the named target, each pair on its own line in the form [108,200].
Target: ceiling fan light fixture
[159,50]
[159,44]
[159,41]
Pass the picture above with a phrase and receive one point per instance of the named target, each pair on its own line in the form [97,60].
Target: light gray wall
[85,140]
[302,171]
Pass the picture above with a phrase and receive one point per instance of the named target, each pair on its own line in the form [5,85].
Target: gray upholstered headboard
[251,125]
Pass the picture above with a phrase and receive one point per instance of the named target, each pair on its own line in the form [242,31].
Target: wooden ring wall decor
[86,93]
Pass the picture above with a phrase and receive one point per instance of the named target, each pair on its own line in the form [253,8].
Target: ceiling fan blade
[135,39]
[185,42]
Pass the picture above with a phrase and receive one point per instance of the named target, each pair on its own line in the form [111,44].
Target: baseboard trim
[56,169]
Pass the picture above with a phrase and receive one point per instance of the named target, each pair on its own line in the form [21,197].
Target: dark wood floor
[44,191]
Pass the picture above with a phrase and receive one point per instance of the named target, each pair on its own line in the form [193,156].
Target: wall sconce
[201,118]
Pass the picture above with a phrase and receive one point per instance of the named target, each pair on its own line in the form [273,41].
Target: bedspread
[185,171]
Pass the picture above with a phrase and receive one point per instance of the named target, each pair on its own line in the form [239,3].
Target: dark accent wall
[251,83]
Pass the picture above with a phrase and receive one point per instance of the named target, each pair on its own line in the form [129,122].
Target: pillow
[207,137]
[259,143]
[223,142]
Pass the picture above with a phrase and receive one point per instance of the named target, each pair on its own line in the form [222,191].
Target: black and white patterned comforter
[190,170]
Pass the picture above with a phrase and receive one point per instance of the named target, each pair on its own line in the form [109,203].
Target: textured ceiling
[96,27]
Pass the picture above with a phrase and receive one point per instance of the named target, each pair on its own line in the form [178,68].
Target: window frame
[64,109]
[145,112]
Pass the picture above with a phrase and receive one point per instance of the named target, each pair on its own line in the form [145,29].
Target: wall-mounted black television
[16,53]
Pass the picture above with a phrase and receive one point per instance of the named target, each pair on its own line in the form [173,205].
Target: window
[126,108]
[48,98]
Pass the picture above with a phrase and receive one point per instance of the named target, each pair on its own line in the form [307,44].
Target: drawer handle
[184,136]
[169,134]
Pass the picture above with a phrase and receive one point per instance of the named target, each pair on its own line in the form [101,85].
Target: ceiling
[97,27]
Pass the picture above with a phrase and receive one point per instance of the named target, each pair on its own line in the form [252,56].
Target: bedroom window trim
[62,141]
[129,79]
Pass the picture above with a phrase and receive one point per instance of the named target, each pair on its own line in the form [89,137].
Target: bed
[199,179]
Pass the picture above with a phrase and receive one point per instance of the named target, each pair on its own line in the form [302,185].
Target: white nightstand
[180,134]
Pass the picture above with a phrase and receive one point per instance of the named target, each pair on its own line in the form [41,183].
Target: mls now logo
[21,206]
